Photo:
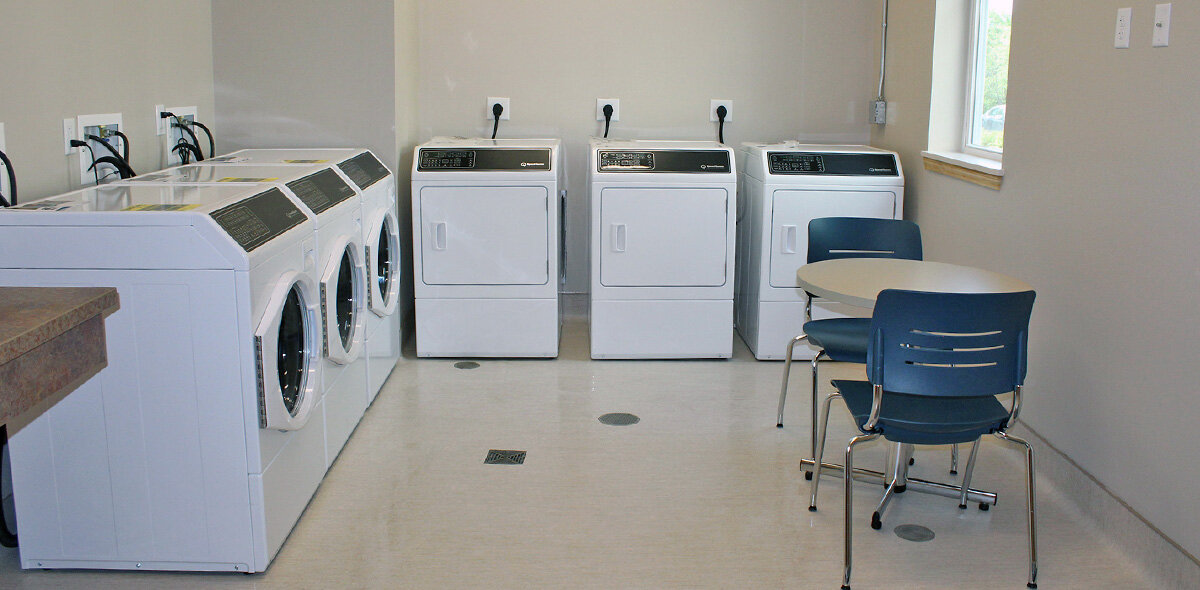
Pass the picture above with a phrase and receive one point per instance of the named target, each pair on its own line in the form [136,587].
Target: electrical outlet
[616,105]
[504,115]
[175,135]
[712,109]
[878,112]
[100,133]
[160,124]
[1121,37]
[1162,25]
[69,135]
[4,188]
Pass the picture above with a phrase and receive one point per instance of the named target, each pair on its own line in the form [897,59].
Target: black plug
[77,143]
[608,113]
[721,113]
[496,110]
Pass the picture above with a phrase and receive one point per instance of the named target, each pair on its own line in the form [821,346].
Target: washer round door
[343,298]
[285,345]
[383,263]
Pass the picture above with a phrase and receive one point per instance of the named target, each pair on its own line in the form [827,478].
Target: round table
[858,281]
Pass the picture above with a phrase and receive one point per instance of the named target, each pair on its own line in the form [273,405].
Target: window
[987,89]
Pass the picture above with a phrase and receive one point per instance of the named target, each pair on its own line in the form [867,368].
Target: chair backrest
[863,237]
[949,344]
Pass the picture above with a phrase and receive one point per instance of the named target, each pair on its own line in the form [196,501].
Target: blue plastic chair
[845,339]
[935,364]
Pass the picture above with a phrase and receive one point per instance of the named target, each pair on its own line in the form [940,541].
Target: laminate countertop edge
[32,316]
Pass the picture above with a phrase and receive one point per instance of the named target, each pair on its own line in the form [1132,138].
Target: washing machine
[784,186]
[200,444]
[381,242]
[662,244]
[341,264]
[487,246]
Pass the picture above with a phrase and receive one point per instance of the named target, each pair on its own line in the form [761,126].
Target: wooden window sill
[982,171]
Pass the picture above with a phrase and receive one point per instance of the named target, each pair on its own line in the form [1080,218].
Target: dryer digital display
[446,159]
[321,190]
[259,219]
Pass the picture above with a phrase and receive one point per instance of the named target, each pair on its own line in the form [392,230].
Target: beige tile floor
[704,492]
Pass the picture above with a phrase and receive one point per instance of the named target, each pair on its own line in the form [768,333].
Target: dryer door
[485,235]
[383,264]
[285,345]
[791,210]
[343,298]
[663,237]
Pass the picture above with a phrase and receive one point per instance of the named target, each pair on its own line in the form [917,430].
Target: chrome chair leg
[787,369]
[812,441]
[897,485]
[1030,504]
[848,481]
[819,454]
[966,481]
[954,459]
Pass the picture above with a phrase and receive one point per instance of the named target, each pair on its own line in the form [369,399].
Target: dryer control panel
[513,159]
[664,161]
[832,164]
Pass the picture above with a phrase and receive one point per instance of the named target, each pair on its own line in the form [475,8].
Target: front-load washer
[201,443]
[341,266]
[487,246]
[662,244]
[381,242]
[784,186]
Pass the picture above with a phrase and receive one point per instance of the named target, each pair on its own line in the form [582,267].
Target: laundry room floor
[703,492]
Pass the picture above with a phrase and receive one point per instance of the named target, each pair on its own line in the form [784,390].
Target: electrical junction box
[99,132]
[175,134]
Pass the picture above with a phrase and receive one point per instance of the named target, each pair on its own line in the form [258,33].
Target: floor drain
[466,365]
[914,532]
[497,457]
[619,419]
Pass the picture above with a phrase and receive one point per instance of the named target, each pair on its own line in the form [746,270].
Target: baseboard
[1164,560]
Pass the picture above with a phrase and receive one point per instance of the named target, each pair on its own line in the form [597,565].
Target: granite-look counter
[51,341]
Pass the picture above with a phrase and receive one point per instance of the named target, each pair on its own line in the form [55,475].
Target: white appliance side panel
[487,327]
[290,481]
[345,402]
[653,329]
[664,237]
[148,460]
[485,235]
[382,350]
[793,209]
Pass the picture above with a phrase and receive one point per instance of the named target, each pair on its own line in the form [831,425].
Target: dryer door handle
[788,239]
[618,237]
[439,235]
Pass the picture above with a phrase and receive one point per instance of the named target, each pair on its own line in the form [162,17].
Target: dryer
[341,266]
[201,443]
[662,245]
[487,257]
[784,186]
[381,242]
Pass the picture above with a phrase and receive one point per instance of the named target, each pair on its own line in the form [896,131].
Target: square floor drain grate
[496,457]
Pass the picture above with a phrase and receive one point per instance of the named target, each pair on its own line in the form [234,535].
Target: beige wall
[794,68]
[70,58]
[1099,212]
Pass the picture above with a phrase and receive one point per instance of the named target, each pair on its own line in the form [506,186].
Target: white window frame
[976,47]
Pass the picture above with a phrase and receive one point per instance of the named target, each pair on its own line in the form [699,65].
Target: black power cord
[12,184]
[721,113]
[124,145]
[608,113]
[195,142]
[496,110]
[7,539]
[195,145]
[116,160]
[186,150]
[84,144]
[212,146]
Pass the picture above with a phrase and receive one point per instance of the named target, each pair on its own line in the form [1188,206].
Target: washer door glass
[344,305]
[291,363]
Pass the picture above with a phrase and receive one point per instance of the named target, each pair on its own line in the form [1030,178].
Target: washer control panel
[257,220]
[321,190]
[364,169]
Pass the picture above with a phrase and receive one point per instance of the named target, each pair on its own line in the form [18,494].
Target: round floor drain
[619,419]
[466,365]
[914,532]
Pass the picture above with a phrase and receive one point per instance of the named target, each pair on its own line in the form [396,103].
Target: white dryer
[381,242]
[784,186]
[662,244]
[341,273]
[201,443]
[487,258]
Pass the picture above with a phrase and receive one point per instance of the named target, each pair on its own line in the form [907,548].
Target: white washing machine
[201,443]
[381,241]
[341,273]
[487,257]
[662,244]
[784,186]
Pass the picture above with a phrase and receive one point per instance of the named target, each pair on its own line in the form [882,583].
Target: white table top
[858,281]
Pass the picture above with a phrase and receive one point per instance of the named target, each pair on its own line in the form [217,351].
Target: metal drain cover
[914,532]
[498,457]
[466,365]
[619,419]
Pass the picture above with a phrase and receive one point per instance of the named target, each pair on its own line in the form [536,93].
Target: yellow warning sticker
[151,207]
[246,179]
[305,161]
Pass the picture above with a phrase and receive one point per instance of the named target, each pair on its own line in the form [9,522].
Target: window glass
[989,77]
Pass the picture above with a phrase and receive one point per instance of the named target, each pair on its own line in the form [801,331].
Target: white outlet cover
[1121,36]
[3,172]
[717,102]
[616,104]
[504,115]
[160,124]
[2,145]
[69,133]
[1162,25]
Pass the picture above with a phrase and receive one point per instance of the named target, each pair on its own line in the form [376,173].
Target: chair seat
[924,420]
[843,339]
